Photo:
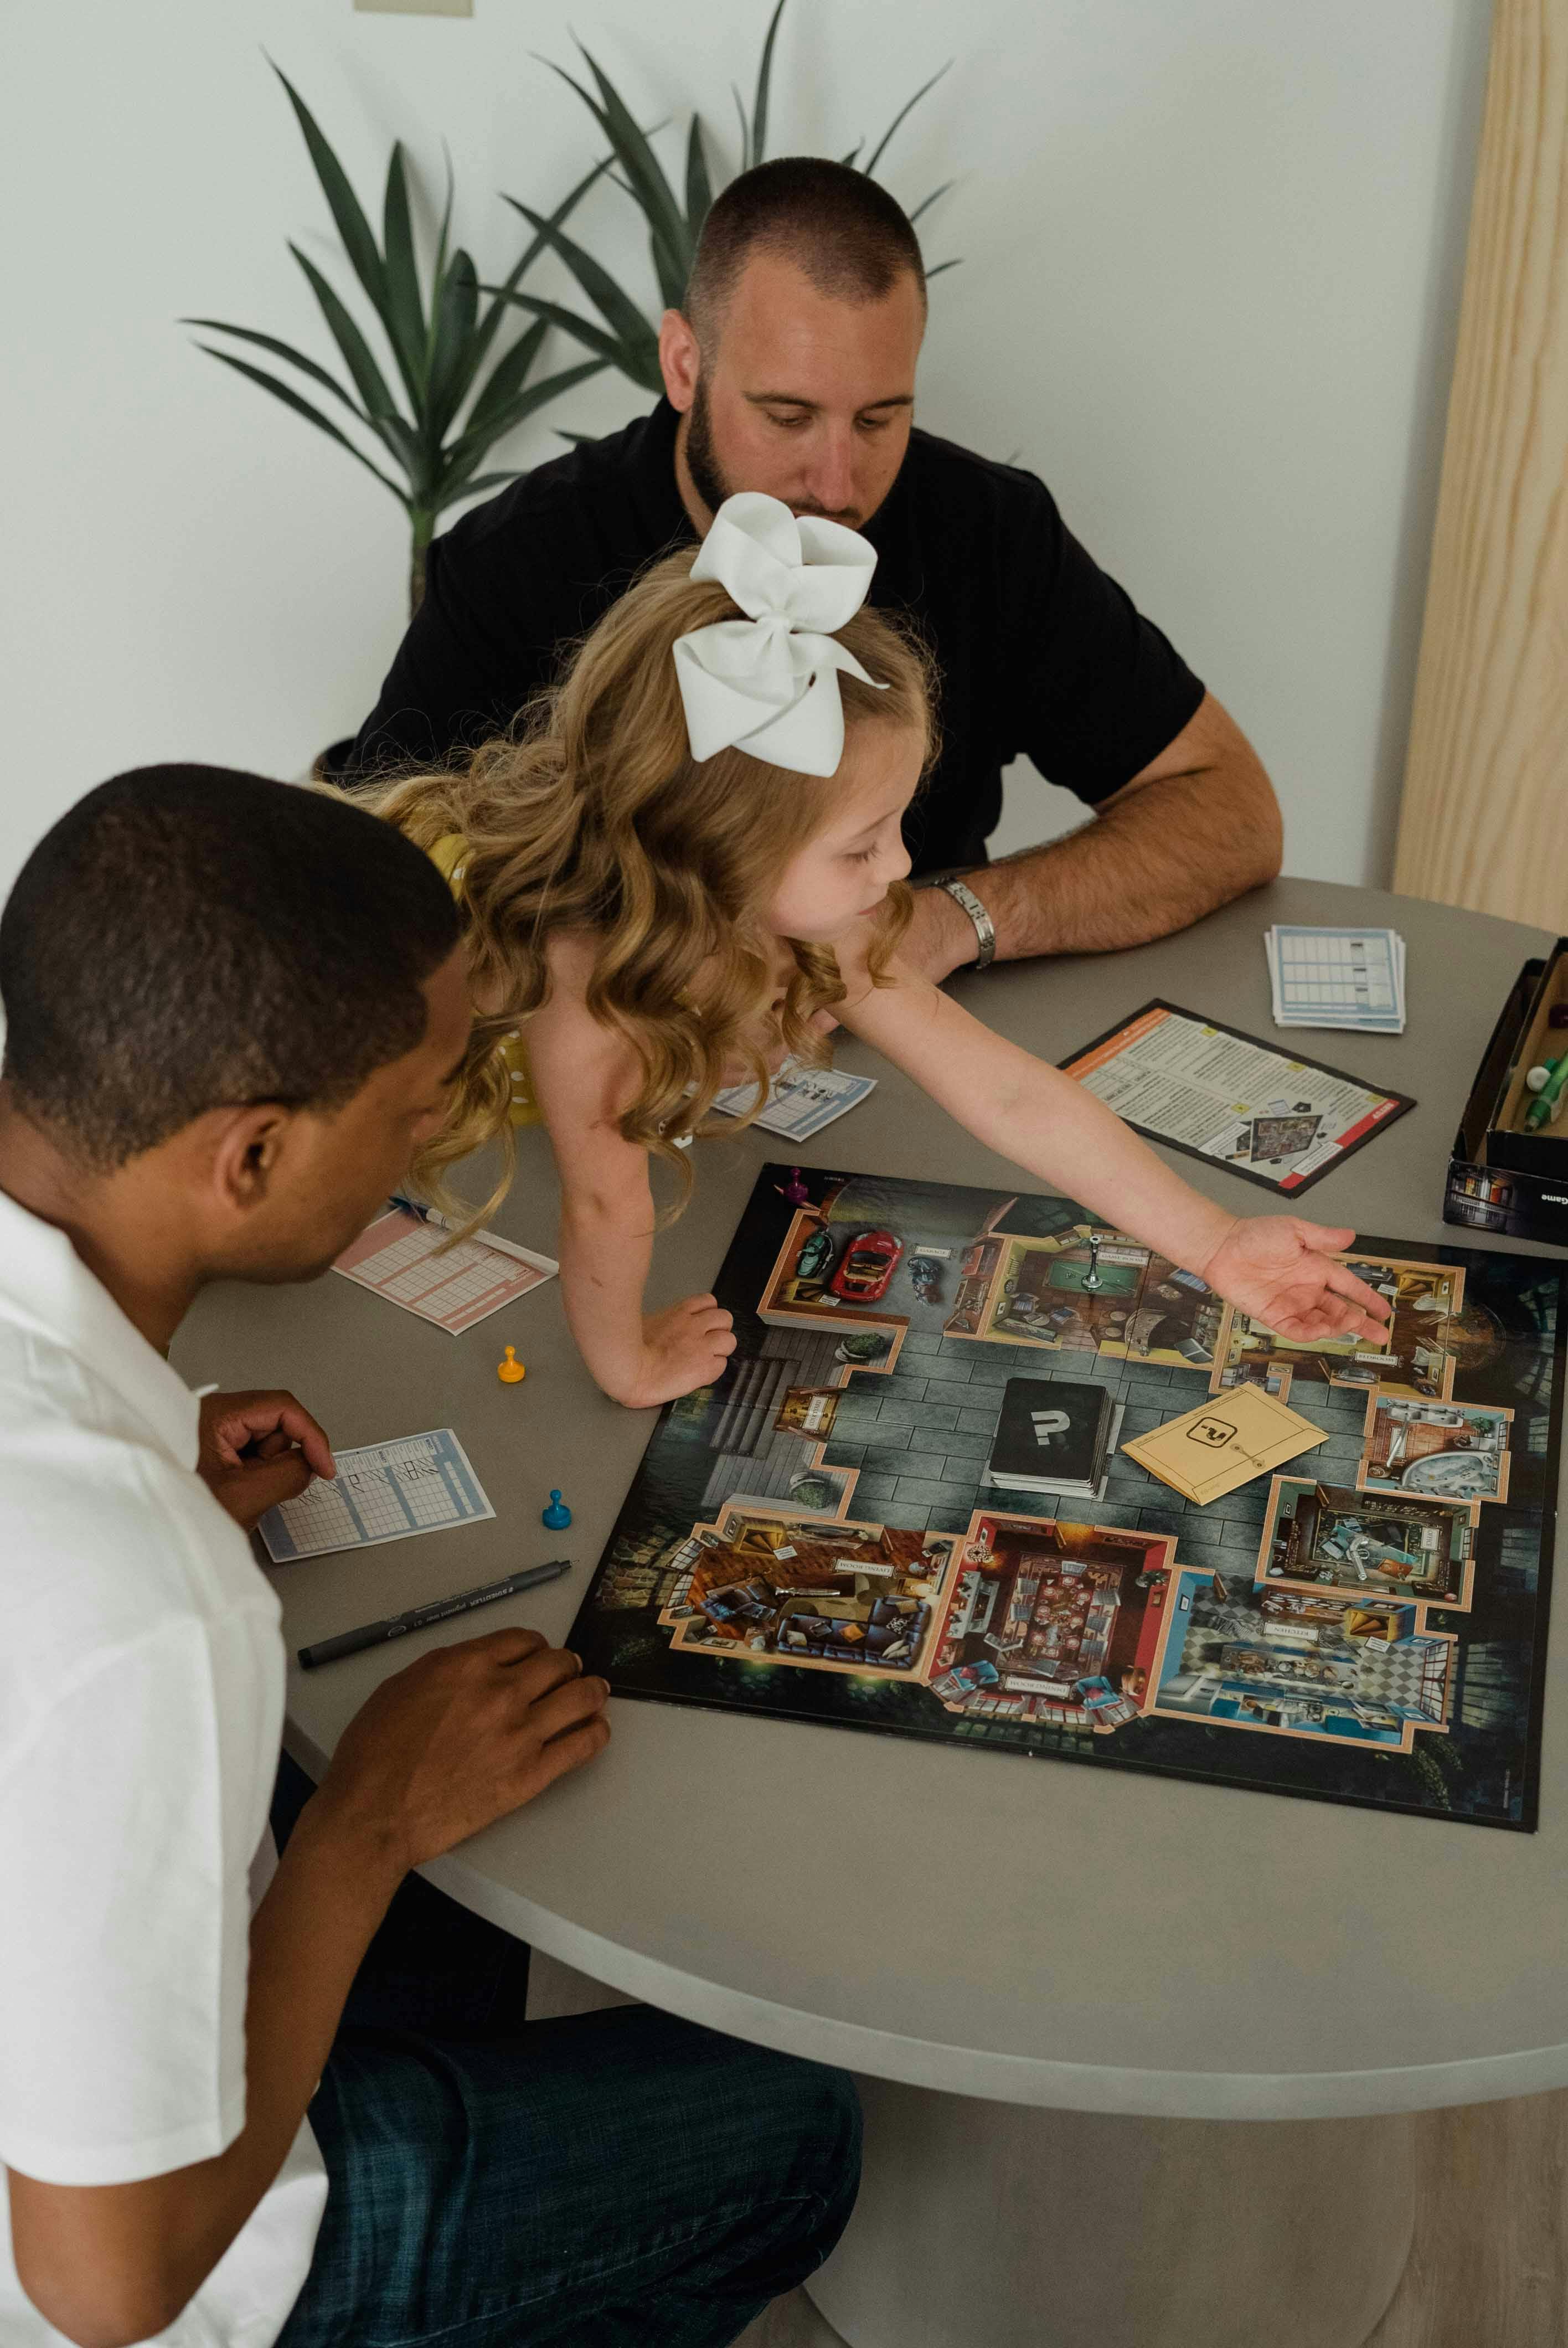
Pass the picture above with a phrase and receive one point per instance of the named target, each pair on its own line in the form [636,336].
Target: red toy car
[870,1260]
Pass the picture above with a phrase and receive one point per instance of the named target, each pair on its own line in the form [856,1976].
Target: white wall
[1212,254]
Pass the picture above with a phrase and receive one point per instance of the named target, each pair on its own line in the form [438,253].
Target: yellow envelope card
[1239,1433]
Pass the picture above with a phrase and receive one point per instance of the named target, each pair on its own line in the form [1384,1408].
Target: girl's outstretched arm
[1276,1267]
[584,1076]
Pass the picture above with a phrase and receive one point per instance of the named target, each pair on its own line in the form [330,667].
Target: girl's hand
[1280,1269]
[682,1348]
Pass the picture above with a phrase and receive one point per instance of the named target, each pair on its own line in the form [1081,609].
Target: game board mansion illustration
[902,1506]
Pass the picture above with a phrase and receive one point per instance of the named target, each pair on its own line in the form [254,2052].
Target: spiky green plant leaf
[620,311]
[508,375]
[637,360]
[368,379]
[457,321]
[405,305]
[353,228]
[899,118]
[290,398]
[699,188]
[757,139]
[279,351]
[471,446]
[638,161]
[935,196]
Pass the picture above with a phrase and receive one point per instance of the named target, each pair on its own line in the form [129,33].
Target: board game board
[815,1537]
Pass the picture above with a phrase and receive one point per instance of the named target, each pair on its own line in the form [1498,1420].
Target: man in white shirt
[233,1012]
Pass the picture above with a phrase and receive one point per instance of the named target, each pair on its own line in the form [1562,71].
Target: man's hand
[460,1739]
[1281,1271]
[257,1449]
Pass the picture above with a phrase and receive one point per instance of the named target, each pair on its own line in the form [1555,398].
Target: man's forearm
[1153,862]
[1197,828]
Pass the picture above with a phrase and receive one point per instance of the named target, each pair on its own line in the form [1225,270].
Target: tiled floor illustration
[921,1435]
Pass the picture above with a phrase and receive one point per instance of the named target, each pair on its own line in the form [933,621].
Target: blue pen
[412,1207]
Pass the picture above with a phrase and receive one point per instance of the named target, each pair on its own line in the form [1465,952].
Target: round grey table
[1102,1974]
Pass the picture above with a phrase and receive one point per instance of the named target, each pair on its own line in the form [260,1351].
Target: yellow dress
[447,858]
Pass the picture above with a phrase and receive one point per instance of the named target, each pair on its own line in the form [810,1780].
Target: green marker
[1543,1108]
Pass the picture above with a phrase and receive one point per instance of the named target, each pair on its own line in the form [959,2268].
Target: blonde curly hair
[591,815]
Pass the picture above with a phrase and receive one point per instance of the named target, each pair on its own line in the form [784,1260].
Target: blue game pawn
[558,1516]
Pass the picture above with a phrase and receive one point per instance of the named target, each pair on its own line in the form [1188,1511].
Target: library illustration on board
[905,1507]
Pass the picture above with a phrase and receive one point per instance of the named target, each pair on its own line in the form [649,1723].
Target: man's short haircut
[188,938]
[843,231]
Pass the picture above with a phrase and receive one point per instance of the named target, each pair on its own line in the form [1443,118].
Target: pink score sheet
[410,1264]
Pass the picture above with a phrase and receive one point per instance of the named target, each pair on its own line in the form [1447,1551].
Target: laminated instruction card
[1218,1093]
[1240,1432]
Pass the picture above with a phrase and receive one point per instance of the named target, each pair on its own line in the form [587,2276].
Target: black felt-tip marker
[419,1618]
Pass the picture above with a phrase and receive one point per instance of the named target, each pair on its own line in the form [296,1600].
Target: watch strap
[985,930]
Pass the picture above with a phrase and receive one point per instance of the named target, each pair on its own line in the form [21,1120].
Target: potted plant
[459,397]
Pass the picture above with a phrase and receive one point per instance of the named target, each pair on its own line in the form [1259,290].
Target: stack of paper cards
[1338,978]
[800,1100]
[1054,1436]
[1227,1441]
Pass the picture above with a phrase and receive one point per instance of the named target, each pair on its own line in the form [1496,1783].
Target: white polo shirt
[141,1698]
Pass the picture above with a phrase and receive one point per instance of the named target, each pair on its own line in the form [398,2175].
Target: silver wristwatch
[984,929]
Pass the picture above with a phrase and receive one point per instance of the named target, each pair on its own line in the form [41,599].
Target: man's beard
[701,461]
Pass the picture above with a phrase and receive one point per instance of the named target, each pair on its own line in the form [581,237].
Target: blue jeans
[614,2180]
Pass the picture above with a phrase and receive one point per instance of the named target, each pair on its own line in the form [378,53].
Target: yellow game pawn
[508,1369]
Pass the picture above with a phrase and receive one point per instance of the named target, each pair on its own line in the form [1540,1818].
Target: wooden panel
[1489,2266]
[1484,817]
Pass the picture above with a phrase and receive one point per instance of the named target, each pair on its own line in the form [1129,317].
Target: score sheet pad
[411,1264]
[1217,1094]
[381,1492]
[800,1100]
[1337,978]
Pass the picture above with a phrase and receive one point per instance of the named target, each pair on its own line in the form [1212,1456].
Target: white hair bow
[769,684]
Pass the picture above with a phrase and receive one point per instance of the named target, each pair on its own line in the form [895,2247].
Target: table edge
[996,2077]
[977,2072]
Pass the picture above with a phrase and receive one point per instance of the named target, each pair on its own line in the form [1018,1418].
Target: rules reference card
[381,1492]
[414,1264]
[1242,1433]
[1231,1098]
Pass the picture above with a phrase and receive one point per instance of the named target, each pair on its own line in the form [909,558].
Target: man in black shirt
[791,370]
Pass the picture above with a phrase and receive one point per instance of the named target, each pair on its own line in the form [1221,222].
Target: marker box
[1501,1178]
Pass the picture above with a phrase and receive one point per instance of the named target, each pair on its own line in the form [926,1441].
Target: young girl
[688,862]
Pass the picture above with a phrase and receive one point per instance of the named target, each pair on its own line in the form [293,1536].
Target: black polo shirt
[1040,650]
